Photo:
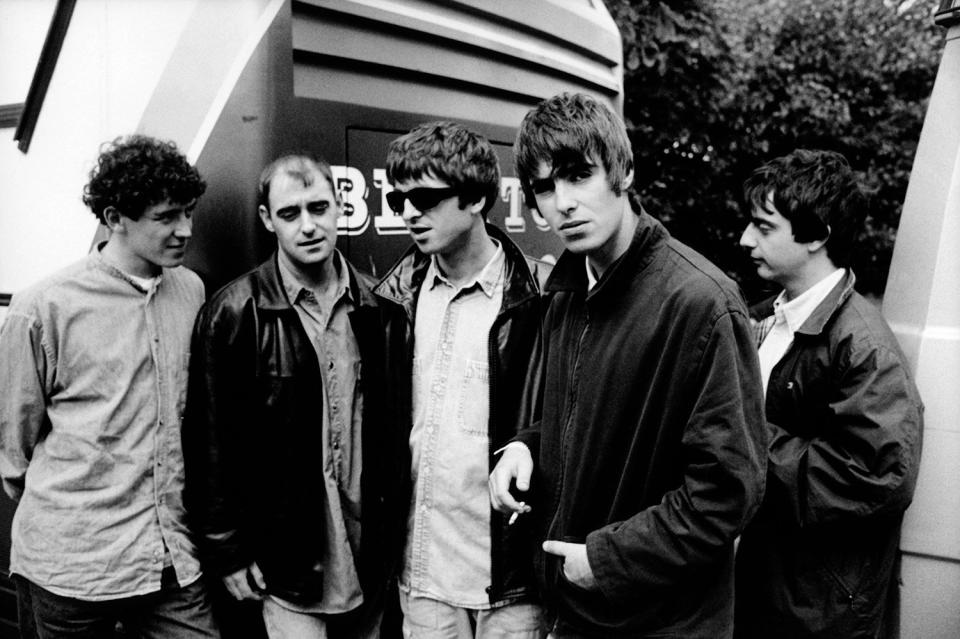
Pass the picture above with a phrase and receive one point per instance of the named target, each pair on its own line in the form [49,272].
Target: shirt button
[330,365]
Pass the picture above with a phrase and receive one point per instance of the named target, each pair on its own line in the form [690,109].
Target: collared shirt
[448,549]
[94,379]
[326,320]
[776,332]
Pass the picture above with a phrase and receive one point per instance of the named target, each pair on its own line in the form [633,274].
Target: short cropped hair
[135,172]
[818,192]
[570,129]
[449,152]
[298,166]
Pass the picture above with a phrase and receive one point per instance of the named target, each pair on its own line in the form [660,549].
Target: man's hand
[515,463]
[576,567]
[239,583]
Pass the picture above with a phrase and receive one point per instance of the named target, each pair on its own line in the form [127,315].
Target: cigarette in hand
[516,513]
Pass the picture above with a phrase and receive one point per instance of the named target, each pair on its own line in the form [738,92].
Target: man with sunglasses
[649,440]
[463,321]
[290,471]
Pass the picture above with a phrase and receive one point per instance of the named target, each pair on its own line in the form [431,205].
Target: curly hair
[135,172]
[818,192]
[449,152]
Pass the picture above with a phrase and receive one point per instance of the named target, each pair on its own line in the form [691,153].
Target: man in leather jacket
[464,317]
[821,557]
[647,447]
[289,463]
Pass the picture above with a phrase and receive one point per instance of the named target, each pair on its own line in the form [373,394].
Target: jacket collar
[829,306]
[270,294]
[570,272]
[403,281]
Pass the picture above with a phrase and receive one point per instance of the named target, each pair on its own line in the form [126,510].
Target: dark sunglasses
[423,198]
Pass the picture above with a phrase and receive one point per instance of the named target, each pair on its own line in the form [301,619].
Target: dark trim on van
[44,72]
[948,14]
[10,115]
[5,299]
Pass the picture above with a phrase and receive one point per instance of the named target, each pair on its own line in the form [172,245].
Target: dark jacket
[651,441]
[845,420]
[252,439]
[511,343]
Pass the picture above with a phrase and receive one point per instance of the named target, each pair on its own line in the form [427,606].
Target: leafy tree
[714,88]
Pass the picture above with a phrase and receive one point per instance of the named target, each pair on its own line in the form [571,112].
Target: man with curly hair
[94,381]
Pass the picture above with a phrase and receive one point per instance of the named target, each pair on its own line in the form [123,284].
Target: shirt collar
[796,311]
[142,284]
[487,278]
[295,289]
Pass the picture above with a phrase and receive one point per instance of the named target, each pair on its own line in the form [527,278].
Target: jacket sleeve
[723,450]
[866,456]
[218,403]
[24,367]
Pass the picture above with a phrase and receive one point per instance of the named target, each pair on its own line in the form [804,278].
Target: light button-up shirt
[448,548]
[93,374]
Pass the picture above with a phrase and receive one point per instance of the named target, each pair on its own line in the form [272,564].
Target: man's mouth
[571,225]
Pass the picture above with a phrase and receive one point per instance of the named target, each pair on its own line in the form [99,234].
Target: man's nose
[564,197]
[410,212]
[184,226]
[746,238]
[307,224]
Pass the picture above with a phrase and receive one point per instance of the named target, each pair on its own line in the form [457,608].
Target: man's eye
[318,207]
[542,186]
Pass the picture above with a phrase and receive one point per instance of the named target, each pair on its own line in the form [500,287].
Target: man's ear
[816,245]
[627,181]
[477,207]
[113,219]
[265,218]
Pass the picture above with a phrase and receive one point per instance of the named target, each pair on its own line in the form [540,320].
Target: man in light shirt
[93,379]
[464,317]
[820,559]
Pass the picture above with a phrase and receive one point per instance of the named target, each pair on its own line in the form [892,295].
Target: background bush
[713,88]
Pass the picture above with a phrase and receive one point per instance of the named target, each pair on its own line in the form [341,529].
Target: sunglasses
[423,198]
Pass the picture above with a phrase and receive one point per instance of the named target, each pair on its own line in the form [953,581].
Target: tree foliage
[715,88]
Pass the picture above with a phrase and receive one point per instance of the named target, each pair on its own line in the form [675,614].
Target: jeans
[171,613]
[281,623]
[425,618]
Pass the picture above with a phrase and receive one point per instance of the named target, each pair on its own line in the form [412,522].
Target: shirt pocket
[473,407]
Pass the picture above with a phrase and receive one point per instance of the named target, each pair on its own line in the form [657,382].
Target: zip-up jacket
[252,439]
[845,421]
[511,346]
[651,444]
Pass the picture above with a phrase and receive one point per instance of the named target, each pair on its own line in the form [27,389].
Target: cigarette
[517,513]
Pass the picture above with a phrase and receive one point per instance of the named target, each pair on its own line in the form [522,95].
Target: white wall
[113,54]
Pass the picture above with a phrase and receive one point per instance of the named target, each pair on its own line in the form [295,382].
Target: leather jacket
[252,439]
[845,421]
[512,342]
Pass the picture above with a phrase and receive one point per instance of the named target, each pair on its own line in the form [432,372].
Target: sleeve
[723,451]
[218,403]
[865,458]
[24,368]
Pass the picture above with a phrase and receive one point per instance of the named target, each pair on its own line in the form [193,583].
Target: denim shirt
[327,323]
[448,548]
[93,373]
